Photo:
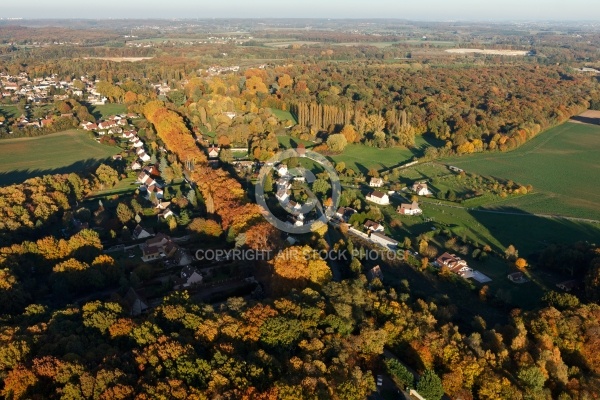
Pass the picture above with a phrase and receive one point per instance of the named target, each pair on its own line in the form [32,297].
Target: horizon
[432,11]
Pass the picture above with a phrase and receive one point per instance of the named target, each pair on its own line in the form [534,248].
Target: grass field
[361,158]
[9,111]
[283,115]
[561,164]
[108,109]
[69,151]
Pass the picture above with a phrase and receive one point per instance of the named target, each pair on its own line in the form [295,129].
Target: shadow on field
[530,233]
[19,176]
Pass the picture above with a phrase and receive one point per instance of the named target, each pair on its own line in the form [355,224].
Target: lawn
[361,158]
[63,152]
[9,111]
[561,164]
[283,115]
[107,109]
[288,142]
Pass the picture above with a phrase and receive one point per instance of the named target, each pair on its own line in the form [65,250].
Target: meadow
[561,164]
[63,152]
[108,109]
[361,158]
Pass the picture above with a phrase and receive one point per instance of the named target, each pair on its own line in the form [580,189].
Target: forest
[66,329]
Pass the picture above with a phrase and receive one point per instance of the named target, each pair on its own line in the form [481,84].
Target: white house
[282,196]
[282,170]
[376,182]
[144,157]
[373,226]
[213,152]
[379,198]
[409,209]
[421,189]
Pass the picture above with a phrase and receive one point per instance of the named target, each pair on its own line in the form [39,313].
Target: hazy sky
[419,9]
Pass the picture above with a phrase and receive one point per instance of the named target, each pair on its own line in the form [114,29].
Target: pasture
[561,164]
[283,115]
[63,152]
[361,158]
[107,109]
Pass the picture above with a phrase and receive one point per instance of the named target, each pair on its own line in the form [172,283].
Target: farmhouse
[379,198]
[373,226]
[409,209]
[421,189]
[454,264]
[376,182]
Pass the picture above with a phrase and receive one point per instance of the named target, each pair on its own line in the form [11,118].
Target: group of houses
[48,88]
[160,247]
[296,217]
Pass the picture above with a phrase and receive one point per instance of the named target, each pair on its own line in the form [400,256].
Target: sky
[425,10]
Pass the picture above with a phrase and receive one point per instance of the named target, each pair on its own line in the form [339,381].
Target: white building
[379,198]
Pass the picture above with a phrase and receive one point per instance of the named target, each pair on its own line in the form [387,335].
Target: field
[69,151]
[283,115]
[107,109]
[489,52]
[561,164]
[361,158]
[9,111]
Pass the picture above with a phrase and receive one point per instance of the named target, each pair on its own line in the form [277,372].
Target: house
[134,303]
[136,166]
[182,257]
[421,189]
[379,198]
[455,169]
[282,170]
[282,196]
[89,126]
[376,182]
[383,240]
[375,272]
[145,179]
[157,190]
[163,205]
[140,233]
[454,264]
[344,213]
[129,134]
[301,150]
[189,276]
[144,157]
[47,121]
[158,247]
[567,286]
[409,209]
[138,144]
[373,226]
[283,183]
[167,213]
[213,152]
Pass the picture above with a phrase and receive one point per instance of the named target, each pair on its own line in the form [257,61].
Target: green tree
[430,386]
[400,372]
[337,142]
[532,378]
[124,213]
[321,186]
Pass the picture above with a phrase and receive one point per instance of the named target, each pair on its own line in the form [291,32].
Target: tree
[349,133]
[124,213]
[430,386]
[400,372]
[511,253]
[337,142]
[532,378]
[321,186]
[521,263]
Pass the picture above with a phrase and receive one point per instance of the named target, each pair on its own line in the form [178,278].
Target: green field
[287,142]
[108,109]
[69,151]
[10,111]
[561,164]
[283,115]
[361,158]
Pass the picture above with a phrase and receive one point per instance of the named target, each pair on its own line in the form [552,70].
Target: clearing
[107,109]
[561,164]
[63,152]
